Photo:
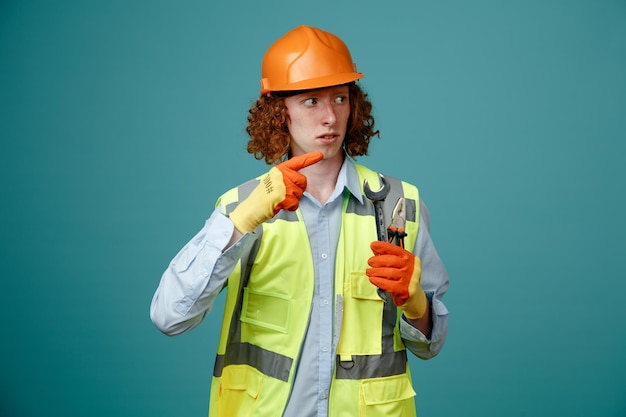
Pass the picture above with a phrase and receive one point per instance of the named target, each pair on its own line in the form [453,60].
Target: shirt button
[324,255]
[325,302]
[205,274]
[325,349]
[324,395]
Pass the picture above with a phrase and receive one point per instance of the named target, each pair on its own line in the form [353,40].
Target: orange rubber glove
[281,188]
[398,271]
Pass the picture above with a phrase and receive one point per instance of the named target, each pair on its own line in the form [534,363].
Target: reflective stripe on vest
[372,366]
[269,363]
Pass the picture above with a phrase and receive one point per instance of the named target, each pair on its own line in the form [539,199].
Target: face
[318,120]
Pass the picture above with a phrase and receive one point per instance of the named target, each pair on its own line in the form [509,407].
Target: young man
[319,312]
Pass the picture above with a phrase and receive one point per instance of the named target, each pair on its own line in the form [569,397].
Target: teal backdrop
[122,121]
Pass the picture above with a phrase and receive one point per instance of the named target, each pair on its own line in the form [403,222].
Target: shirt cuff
[224,224]
[410,333]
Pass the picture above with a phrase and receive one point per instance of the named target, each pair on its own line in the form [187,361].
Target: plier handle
[396,230]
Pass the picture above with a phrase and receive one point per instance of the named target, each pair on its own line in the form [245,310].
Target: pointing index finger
[298,162]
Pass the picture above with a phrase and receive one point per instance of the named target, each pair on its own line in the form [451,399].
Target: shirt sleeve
[434,282]
[195,277]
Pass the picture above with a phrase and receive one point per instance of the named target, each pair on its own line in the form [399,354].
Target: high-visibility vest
[268,299]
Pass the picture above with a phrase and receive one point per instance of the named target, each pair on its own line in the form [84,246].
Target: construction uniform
[273,300]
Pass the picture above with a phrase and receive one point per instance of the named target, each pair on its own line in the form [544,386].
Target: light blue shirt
[196,275]
[323,223]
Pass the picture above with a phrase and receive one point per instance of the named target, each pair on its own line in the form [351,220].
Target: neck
[322,178]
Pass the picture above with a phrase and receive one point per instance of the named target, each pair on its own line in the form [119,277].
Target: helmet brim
[312,84]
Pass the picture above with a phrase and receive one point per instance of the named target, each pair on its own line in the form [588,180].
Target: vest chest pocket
[361,329]
[267,310]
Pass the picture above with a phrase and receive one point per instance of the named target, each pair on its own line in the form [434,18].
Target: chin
[333,154]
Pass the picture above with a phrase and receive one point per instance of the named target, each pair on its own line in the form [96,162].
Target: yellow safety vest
[269,295]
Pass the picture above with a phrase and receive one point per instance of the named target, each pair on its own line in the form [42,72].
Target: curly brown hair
[269,135]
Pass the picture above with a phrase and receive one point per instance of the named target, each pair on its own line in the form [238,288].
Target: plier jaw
[396,230]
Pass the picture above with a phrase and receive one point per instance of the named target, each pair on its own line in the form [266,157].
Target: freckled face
[318,120]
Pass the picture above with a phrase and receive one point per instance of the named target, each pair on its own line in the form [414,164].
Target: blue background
[122,121]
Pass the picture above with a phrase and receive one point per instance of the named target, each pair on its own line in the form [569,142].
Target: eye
[341,99]
[310,101]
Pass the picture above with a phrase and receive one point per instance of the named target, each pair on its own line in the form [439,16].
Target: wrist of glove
[398,272]
[261,204]
[281,188]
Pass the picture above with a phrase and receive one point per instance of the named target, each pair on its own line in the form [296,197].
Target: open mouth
[328,138]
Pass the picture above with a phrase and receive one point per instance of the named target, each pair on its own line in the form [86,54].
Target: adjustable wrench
[378,197]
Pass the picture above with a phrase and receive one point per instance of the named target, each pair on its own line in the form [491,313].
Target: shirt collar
[347,179]
[350,178]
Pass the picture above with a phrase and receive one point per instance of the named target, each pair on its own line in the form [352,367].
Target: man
[319,312]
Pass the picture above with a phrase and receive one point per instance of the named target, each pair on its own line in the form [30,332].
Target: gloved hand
[281,188]
[398,271]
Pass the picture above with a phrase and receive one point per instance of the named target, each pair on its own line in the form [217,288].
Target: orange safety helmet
[306,58]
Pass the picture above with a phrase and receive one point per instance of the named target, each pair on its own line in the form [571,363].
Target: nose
[328,116]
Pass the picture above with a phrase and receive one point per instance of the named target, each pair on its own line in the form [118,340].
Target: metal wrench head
[381,193]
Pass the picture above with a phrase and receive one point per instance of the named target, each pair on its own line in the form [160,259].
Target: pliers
[396,230]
